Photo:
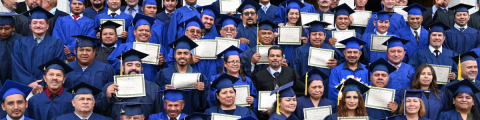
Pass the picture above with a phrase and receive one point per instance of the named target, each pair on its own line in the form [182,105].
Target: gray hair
[76,96]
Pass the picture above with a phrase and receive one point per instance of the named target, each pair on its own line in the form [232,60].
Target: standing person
[113,12]
[461,38]
[351,103]
[97,8]
[247,31]
[158,29]
[251,56]
[396,20]
[280,13]
[382,22]
[414,32]
[413,107]
[293,19]
[342,22]
[14,100]
[132,8]
[22,23]
[173,104]
[8,36]
[360,5]
[267,11]
[108,38]
[380,78]
[9,6]
[180,15]
[402,77]
[165,16]
[438,12]
[286,103]
[463,102]
[207,16]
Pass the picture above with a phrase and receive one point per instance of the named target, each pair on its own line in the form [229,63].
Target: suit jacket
[139,8]
[264,81]
[164,18]
[21,7]
[427,17]
[52,20]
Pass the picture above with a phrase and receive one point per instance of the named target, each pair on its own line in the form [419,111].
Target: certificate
[243,91]
[224,43]
[317,113]
[378,98]
[130,85]
[229,6]
[353,118]
[201,2]
[399,10]
[377,41]
[118,21]
[265,100]
[360,19]
[309,17]
[263,50]
[185,80]
[290,35]
[218,116]
[442,72]
[342,35]
[207,49]
[329,18]
[318,57]
[153,51]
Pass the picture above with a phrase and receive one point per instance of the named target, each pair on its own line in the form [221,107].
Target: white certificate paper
[229,6]
[442,72]
[329,18]
[265,100]
[360,18]
[263,50]
[353,118]
[377,41]
[120,29]
[318,57]
[309,17]
[218,116]
[185,80]
[342,35]
[153,51]
[398,9]
[317,113]
[243,91]
[290,35]
[130,85]
[207,49]
[224,43]
[378,98]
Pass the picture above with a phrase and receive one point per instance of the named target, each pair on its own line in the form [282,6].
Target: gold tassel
[459,67]
[278,99]
[258,41]
[121,64]
[306,80]
[338,98]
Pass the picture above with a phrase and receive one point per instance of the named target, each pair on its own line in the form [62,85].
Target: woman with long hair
[286,103]
[463,101]
[412,106]
[293,18]
[315,89]
[351,103]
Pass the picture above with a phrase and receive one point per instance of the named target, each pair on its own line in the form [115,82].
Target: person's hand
[332,41]
[70,58]
[351,19]
[304,40]
[244,41]
[332,63]
[255,58]
[36,87]
[276,35]
[161,59]
[250,100]
[168,86]
[111,90]
[229,13]
[266,111]
[368,18]
[98,35]
[284,63]
[124,35]
[195,59]
[392,106]
[451,76]
[200,86]
[281,24]
[67,51]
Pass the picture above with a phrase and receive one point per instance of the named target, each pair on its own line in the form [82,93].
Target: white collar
[110,12]
[53,10]
[382,34]
[339,29]
[81,116]
[41,38]
[134,8]
[458,27]
[272,71]
[166,12]
[81,15]
[268,5]
[433,49]
[112,46]
[8,118]
[178,117]
[418,30]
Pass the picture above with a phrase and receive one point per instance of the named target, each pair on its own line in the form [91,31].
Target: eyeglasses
[227,29]
[249,13]
[233,62]
[192,31]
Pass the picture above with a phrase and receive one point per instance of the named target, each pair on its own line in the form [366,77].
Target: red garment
[49,93]
[75,17]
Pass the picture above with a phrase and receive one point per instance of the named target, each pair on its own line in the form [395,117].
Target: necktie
[38,40]
[436,53]
[173,118]
[113,15]
[110,50]
[445,10]
[130,10]
[75,17]
[169,15]
[54,95]
[417,37]
[462,29]
[191,8]
[276,74]
[265,9]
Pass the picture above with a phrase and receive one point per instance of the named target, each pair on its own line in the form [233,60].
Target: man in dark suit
[21,22]
[439,12]
[22,7]
[132,8]
[51,6]
[166,15]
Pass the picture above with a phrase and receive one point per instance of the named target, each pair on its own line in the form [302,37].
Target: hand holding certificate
[224,43]
[342,35]
[377,41]
[442,72]
[130,85]
[265,100]
[229,6]
[329,18]
[378,98]
[207,49]
[360,19]
[185,80]
[153,51]
[317,113]
[318,57]
[218,116]
[119,30]
[309,17]
[243,91]
[290,35]
[263,50]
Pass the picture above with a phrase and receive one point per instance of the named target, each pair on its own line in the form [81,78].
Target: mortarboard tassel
[339,97]
[258,40]
[121,64]
[278,99]
[306,86]
[459,68]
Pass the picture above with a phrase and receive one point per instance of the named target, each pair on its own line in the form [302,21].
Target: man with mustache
[267,11]
[108,35]
[8,36]
[334,4]
[415,33]
[97,8]
[324,6]
[382,23]
[73,24]
[114,12]
[396,20]
[9,6]
[208,14]
[280,15]
[461,38]
[180,15]
[83,102]
[247,31]
[195,99]
[402,77]
[173,106]
[22,22]
[380,78]
[193,31]
[158,30]
[14,100]
[165,16]
[132,8]
[55,100]
[34,50]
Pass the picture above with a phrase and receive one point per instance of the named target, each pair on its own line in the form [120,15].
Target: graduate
[108,38]
[143,24]
[208,14]
[413,107]
[197,116]
[351,91]
[342,20]
[159,31]
[232,64]
[248,29]
[396,20]
[286,103]
[6,45]
[402,77]
[293,19]
[173,103]
[84,103]
[380,70]
[461,38]
[280,13]
[317,36]
[34,50]
[267,12]
[113,105]
[324,7]
[163,16]
[414,32]
[195,99]
[55,100]
[463,102]
[132,111]
[86,68]
[96,8]
[382,24]
[114,12]
[314,97]
[14,100]
[351,68]
[225,98]
[180,15]
[74,24]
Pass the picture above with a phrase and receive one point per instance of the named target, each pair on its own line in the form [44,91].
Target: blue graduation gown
[179,15]
[275,116]
[212,34]
[401,78]
[247,63]
[208,67]
[281,11]
[97,74]
[450,115]
[253,92]
[396,22]
[300,61]
[405,118]
[377,113]
[334,117]
[128,20]
[330,35]
[341,72]
[248,33]
[461,42]
[476,50]
[306,102]
[374,56]
[41,108]
[6,47]
[239,111]
[158,32]
[164,18]
[92,13]
[149,70]
[449,94]
[163,116]
[72,116]
[24,118]
[193,100]
[412,45]
[424,56]
[220,61]
[27,56]
[269,15]
[433,105]
[66,27]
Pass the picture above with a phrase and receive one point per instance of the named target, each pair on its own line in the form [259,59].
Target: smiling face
[265,37]
[401,3]
[352,55]
[133,67]
[229,31]
[389,4]
[342,22]
[380,79]
[131,2]
[226,96]
[33,3]
[351,100]
[182,56]
[170,4]
[382,26]
[463,101]
[39,26]
[426,77]
[275,58]
[288,104]
[436,39]
[317,38]
[173,109]
[413,105]
[142,33]
[208,21]
[469,69]
[232,63]
[415,21]
[461,18]
[113,5]
[109,37]
[293,16]
[83,102]
[324,3]
[193,32]
[15,105]
[54,79]
[249,16]
[395,54]
[85,55]
[316,89]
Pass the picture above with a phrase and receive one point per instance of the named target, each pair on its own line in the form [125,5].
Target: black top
[264,81]
[229,112]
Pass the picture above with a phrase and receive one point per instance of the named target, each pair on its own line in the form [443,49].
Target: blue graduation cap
[197,116]
[193,21]
[415,9]
[382,65]
[55,63]
[353,43]
[383,15]
[224,81]
[148,2]
[413,93]
[132,55]
[293,4]
[141,19]
[438,26]
[183,43]
[38,13]
[248,117]
[312,75]
[283,91]
[107,24]
[83,41]
[460,8]
[343,9]
[232,50]
[209,10]
[247,4]
[6,18]
[172,94]
[267,25]
[11,87]
[229,20]
[77,0]
[464,86]
[317,26]
[353,85]
[395,42]
[465,57]
[132,109]
[84,88]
